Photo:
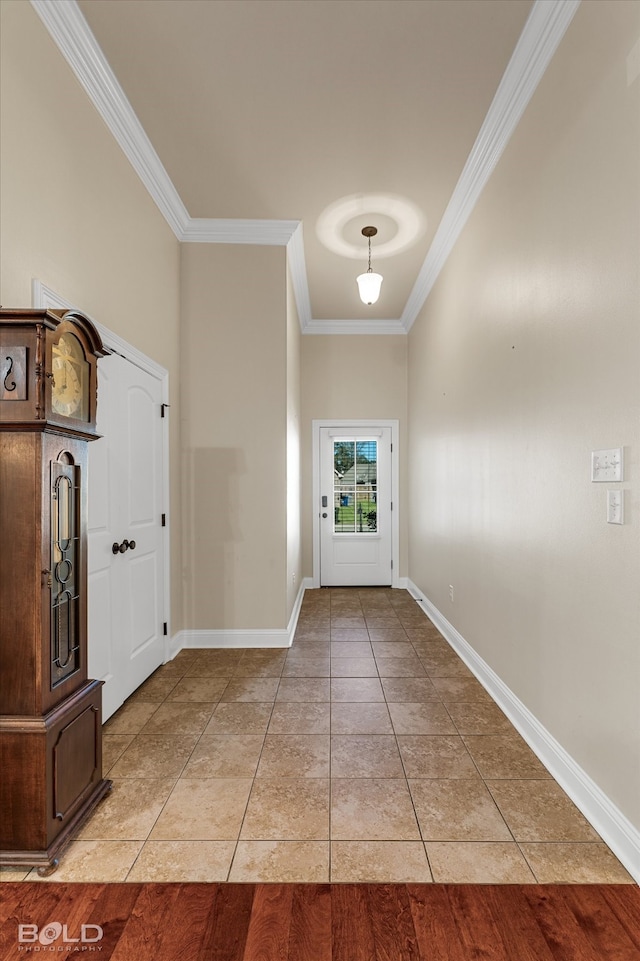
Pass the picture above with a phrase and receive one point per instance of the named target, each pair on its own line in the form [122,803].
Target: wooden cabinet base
[52,778]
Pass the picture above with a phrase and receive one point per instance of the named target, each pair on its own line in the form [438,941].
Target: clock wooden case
[50,711]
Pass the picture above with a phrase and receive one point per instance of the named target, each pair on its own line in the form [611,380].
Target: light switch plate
[606,465]
[615,507]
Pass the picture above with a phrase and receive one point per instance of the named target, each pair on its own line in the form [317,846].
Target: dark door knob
[324,515]
[122,548]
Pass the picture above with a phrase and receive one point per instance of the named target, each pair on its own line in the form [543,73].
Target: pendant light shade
[369,283]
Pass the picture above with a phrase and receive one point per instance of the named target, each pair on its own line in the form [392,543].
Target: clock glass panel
[70,393]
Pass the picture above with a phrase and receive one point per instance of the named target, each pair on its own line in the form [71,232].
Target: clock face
[70,392]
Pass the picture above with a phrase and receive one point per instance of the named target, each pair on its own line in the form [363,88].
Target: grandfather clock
[50,712]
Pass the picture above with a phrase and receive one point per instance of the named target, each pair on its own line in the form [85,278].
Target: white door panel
[355,506]
[126,607]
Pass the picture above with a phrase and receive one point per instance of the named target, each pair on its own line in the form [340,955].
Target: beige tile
[589,862]
[129,811]
[183,861]
[214,664]
[206,809]
[478,862]
[444,664]
[504,756]
[295,755]
[455,689]
[391,862]
[457,810]
[296,809]
[131,717]
[479,717]
[260,664]
[180,664]
[113,747]
[540,811]
[360,718]
[285,862]
[428,717]
[94,861]
[372,809]
[340,649]
[356,689]
[392,649]
[410,689]
[240,717]
[311,648]
[13,874]
[388,635]
[364,756]
[400,667]
[347,622]
[303,689]
[353,667]
[207,690]
[155,689]
[343,636]
[154,756]
[433,756]
[297,666]
[291,717]
[225,755]
[251,689]
[179,719]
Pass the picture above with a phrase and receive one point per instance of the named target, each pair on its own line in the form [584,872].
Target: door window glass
[355,481]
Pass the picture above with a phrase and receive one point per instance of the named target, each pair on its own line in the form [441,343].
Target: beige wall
[234,400]
[74,215]
[524,360]
[361,377]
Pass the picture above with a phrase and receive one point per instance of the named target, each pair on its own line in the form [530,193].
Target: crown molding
[266,233]
[538,42]
[374,326]
[542,33]
[70,31]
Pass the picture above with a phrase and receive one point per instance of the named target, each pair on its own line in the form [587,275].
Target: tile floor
[366,752]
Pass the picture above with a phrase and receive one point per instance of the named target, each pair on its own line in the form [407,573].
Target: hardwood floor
[321,922]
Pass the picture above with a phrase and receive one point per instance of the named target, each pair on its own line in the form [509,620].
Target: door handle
[122,548]
[324,500]
[325,515]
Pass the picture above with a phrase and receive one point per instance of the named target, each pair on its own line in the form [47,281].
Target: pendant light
[369,283]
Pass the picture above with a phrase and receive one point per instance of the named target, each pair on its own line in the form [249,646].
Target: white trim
[540,37]
[356,425]
[374,326]
[611,824]
[264,233]
[44,297]
[233,639]
[543,31]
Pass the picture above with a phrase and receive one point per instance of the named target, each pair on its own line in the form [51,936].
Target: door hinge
[164,520]
[391,505]
[162,408]
[391,563]
[165,630]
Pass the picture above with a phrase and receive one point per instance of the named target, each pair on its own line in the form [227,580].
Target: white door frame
[357,425]
[44,297]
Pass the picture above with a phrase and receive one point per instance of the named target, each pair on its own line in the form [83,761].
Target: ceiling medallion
[334,219]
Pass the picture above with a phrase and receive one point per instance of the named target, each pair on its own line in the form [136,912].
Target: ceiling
[332,114]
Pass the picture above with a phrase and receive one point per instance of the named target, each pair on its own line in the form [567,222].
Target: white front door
[126,604]
[355,507]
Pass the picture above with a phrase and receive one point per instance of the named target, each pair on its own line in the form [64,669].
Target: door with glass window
[355,507]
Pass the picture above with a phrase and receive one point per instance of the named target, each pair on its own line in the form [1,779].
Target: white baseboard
[613,827]
[211,639]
